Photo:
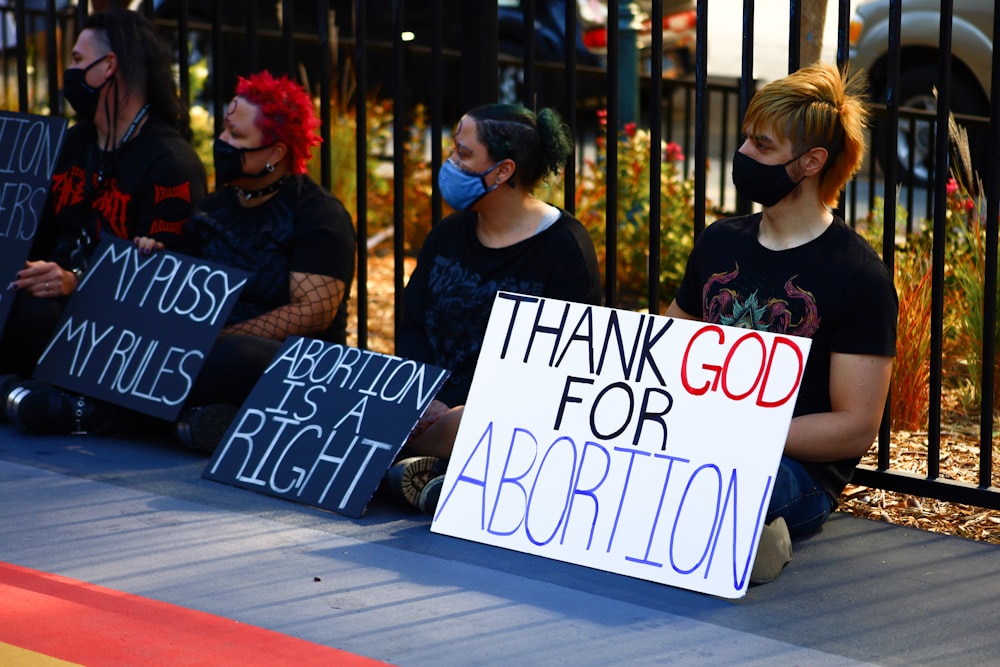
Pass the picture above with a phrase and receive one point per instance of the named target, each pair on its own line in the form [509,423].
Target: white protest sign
[627,442]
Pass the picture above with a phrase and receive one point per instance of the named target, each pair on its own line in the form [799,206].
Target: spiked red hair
[286,114]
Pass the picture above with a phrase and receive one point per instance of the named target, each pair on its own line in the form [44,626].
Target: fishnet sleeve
[315,300]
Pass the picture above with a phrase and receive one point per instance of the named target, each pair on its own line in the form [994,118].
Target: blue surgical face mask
[461,189]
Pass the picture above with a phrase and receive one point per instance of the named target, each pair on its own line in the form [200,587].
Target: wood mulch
[908,453]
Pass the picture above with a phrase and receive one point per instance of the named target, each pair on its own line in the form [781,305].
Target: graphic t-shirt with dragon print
[834,290]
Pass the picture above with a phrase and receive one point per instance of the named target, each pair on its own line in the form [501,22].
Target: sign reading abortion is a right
[324,423]
[628,442]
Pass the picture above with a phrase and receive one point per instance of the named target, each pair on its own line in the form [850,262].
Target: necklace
[108,156]
[247,195]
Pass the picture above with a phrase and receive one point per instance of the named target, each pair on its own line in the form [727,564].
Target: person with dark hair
[501,237]
[795,268]
[295,239]
[126,169]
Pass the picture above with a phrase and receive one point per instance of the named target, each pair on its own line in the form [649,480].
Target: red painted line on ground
[96,626]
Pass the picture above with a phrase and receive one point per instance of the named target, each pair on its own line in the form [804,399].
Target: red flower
[673,152]
[952,187]
[629,129]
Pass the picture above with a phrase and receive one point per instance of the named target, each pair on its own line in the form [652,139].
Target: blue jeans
[797,498]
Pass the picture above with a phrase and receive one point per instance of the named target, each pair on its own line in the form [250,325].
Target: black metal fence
[351,48]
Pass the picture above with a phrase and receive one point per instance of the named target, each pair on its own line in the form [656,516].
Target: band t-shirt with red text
[147,187]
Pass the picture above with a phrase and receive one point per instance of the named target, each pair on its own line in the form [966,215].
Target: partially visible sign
[29,148]
[324,423]
[626,442]
[138,327]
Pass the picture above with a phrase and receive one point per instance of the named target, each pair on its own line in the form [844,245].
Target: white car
[970,70]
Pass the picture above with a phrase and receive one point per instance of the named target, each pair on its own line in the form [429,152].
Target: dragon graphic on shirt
[794,312]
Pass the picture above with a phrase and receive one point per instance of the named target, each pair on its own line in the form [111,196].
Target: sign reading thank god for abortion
[627,442]
[29,147]
[324,423]
[138,327]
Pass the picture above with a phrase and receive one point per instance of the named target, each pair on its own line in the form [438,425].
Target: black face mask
[81,96]
[229,162]
[766,184]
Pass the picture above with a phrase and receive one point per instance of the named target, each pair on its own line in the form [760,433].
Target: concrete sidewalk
[136,516]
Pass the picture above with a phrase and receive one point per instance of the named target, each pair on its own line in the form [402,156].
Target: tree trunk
[813,22]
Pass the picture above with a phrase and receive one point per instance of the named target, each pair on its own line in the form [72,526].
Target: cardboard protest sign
[622,441]
[138,327]
[29,147]
[324,423]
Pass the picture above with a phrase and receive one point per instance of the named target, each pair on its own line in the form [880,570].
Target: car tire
[916,146]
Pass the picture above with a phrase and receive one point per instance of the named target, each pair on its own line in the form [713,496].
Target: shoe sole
[408,477]
[205,426]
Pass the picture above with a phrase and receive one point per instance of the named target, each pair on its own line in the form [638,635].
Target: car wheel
[510,76]
[915,136]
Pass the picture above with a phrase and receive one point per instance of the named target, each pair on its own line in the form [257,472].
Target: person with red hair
[294,239]
[269,218]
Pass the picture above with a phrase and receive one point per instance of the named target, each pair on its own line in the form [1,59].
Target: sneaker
[408,477]
[430,494]
[7,383]
[41,408]
[203,427]
[773,553]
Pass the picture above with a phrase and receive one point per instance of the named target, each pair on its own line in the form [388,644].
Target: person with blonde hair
[796,268]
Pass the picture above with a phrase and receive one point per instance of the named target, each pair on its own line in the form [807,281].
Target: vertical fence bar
[183,52]
[288,35]
[794,35]
[611,134]
[325,92]
[938,245]
[398,150]
[743,205]
[891,169]
[218,89]
[989,355]
[21,22]
[52,55]
[569,170]
[655,155]
[361,164]
[530,98]
[436,106]
[701,118]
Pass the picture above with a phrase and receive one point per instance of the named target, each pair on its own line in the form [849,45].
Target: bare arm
[858,387]
[675,311]
[314,302]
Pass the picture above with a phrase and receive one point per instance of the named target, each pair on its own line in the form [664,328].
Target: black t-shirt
[147,187]
[834,289]
[450,294]
[302,229]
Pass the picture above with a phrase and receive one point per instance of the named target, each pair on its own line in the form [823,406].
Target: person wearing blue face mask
[796,268]
[501,237]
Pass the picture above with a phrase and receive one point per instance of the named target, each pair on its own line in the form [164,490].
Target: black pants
[30,325]
[232,368]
